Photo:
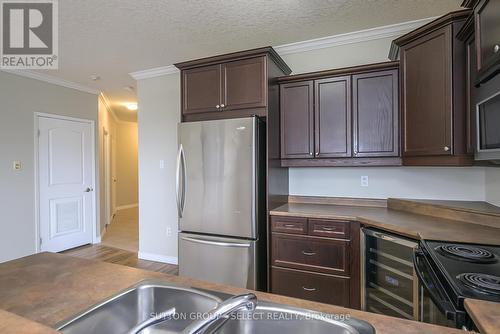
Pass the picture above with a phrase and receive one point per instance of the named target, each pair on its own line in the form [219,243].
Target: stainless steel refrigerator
[221,201]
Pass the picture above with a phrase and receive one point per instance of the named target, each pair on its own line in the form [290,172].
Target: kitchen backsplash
[406,182]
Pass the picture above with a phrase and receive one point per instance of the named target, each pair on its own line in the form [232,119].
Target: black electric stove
[451,272]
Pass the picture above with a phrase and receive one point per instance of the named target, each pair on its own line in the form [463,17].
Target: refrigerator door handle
[216,243]
[180,194]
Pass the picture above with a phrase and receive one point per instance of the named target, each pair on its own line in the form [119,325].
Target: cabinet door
[427,95]
[244,83]
[297,120]
[333,117]
[487,17]
[201,89]
[375,114]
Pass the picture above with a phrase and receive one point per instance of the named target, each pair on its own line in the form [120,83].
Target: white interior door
[65,159]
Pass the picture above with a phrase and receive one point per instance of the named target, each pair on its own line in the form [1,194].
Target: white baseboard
[128,206]
[158,258]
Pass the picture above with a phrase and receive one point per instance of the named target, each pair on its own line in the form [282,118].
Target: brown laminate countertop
[486,315]
[49,288]
[13,324]
[411,225]
[467,206]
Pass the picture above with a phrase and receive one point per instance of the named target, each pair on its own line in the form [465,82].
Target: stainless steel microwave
[488,128]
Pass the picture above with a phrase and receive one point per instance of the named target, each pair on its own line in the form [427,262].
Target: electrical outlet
[364,181]
[16,165]
[162,164]
[169,231]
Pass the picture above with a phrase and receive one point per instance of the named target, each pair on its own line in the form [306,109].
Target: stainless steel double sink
[159,307]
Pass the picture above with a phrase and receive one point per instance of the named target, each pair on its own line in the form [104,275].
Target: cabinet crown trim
[268,50]
[390,65]
[426,29]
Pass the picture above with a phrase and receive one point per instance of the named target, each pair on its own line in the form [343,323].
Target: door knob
[217,106]
[89,189]
[496,48]
[222,105]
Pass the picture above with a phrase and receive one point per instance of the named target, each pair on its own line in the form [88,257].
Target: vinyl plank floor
[120,256]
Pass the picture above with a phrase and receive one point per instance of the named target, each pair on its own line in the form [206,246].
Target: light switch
[16,165]
[162,164]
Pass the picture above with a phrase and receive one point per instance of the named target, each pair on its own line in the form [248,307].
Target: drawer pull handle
[290,225]
[308,289]
[308,253]
[329,228]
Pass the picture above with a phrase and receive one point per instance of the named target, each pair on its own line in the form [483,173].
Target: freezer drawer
[219,260]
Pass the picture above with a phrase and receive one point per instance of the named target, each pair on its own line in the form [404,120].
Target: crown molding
[154,72]
[107,104]
[53,80]
[393,30]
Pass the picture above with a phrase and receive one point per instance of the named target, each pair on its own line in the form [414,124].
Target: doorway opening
[119,156]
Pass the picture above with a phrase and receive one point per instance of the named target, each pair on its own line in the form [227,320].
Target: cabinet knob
[496,48]
[317,154]
[222,105]
[217,106]
[446,148]
[310,153]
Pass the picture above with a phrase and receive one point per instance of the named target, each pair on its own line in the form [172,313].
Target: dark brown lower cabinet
[311,286]
[316,259]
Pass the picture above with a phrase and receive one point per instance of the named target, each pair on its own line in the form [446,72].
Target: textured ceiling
[112,38]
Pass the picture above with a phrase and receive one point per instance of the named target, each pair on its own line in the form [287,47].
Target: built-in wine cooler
[389,283]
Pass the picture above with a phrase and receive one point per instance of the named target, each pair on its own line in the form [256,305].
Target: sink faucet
[225,309]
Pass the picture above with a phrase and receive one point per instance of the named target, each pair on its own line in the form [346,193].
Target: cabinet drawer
[316,287]
[320,255]
[293,225]
[329,228]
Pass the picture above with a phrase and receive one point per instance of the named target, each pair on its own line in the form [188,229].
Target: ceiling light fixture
[131,106]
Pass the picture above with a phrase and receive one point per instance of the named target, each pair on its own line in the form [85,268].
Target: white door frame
[107,174]
[37,116]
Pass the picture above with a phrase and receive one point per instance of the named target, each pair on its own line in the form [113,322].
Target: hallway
[123,232]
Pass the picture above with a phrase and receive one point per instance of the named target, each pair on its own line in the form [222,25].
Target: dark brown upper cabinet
[244,84]
[376,114]
[343,117]
[332,98]
[433,93]
[297,120]
[232,85]
[201,89]
[487,30]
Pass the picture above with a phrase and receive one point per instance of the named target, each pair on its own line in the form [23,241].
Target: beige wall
[493,185]
[107,122]
[20,98]
[126,164]
[159,110]
[339,56]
